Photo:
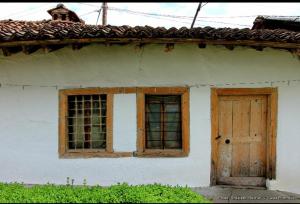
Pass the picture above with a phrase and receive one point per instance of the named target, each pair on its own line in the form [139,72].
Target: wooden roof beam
[258,48]
[51,48]
[8,51]
[169,47]
[78,46]
[28,49]
[155,41]
[202,45]
[229,47]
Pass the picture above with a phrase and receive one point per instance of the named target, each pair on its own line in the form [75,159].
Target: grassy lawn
[16,193]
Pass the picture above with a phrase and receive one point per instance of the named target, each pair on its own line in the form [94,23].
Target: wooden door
[241,140]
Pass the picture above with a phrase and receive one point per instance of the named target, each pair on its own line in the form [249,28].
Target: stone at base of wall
[281,186]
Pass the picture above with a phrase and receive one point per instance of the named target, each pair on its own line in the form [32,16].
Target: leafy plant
[120,193]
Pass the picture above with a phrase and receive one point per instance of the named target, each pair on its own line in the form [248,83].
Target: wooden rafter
[28,49]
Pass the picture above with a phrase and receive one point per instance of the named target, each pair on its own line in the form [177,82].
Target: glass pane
[71,105]
[71,145]
[103,104]
[103,112]
[172,108]
[87,98]
[70,137]
[96,104]
[153,127]
[172,144]
[79,144]
[87,104]
[172,135]
[98,144]
[96,98]
[96,111]
[87,144]
[153,99]
[79,105]
[172,117]
[154,145]
[153,117]
[71,113]
[153,108]
[153,135]
[172,99]
[172,126]
[78,98]
[71,98]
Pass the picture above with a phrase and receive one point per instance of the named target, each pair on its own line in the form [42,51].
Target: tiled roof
[276,22]
[11,30]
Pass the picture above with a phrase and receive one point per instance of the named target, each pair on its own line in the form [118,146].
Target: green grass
[154,193]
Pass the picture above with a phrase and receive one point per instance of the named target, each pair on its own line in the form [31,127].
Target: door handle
[219,136]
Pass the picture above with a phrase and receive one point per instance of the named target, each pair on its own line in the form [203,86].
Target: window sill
[91,154]
[161,153]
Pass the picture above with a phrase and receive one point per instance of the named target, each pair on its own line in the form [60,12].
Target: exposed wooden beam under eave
[296,51]
[52,47]
[283,45]
[28,49]
[8,51]
[229,47]
[5,52]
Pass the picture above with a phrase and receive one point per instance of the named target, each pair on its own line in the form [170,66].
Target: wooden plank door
[241,140]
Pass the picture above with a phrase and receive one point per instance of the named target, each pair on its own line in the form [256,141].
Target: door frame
[272,98]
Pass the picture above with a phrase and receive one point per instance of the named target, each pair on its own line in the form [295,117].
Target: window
[163,122]
[63,17]
[85,123]
[163,118]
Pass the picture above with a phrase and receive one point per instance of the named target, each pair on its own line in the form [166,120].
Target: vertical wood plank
[258,124]
[63,107]
[214,134]
[273,130]
[185,122]
[140,120]
[109,123]
[225,132]
[241,130]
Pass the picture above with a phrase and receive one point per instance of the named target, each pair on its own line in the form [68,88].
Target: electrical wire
[89,5]
[164,18]
[24,11]
[184,22]
[98,16]
[191,17]
[88,13]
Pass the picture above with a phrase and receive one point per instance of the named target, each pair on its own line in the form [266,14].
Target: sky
[234,15]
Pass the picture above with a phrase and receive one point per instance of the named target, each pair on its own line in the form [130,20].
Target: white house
[196,107]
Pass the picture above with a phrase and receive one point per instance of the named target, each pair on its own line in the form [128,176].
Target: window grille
[86,121]
[163,122]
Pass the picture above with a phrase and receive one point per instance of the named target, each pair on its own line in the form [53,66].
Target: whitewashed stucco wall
[29,114]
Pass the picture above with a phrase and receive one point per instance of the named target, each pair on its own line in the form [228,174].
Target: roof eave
[271,44]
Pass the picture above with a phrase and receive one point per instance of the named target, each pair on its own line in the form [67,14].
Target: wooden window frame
[272,97]
[63,150]
[141,150]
